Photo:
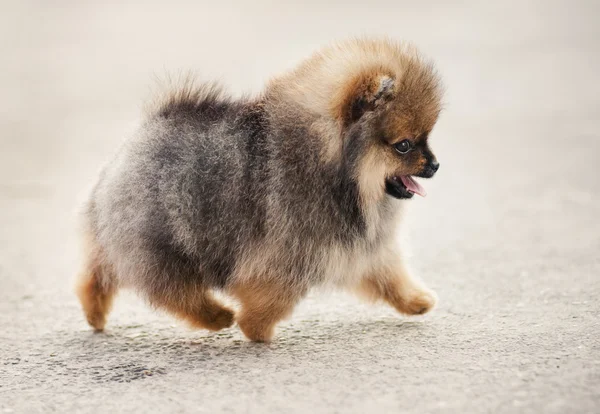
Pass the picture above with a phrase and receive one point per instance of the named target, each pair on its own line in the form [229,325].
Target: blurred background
[509,235]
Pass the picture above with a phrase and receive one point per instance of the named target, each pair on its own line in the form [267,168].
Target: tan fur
[365,85]
[371,178]
[394,285]
[322,83]
[199,309]
[94,289]
[96,301]
[264,304]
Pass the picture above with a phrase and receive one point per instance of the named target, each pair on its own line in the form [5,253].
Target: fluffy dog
[264,198]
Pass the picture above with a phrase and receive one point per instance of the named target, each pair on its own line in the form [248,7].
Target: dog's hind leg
[264,304]
[96,284]
[196,306]
[96,289]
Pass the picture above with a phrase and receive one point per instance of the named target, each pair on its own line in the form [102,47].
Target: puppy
[265,198]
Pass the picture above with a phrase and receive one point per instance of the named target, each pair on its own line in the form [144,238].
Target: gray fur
[210,189]
[186,197]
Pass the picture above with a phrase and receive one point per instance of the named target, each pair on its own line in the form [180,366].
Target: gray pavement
[509,236]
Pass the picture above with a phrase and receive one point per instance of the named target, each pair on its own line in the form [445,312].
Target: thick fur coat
[264,198]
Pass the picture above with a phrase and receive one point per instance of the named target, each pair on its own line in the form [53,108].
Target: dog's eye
[403,146]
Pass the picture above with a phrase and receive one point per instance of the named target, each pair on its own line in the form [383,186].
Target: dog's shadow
[125,353]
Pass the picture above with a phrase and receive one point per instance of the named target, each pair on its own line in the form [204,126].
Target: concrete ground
[509,236]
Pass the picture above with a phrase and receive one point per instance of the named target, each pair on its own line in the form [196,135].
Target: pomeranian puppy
[264,198]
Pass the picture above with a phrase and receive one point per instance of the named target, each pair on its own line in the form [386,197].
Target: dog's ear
[365,93]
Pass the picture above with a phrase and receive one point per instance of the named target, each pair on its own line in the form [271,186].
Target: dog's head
[374,103]
[390,116]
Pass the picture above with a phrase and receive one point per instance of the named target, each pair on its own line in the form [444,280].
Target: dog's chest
[348,264]
[345,266]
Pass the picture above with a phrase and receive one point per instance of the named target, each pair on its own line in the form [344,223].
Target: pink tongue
[412,185]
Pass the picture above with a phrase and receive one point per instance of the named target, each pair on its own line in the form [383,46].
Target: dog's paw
[211,319]
[256,329]
[221,320]
[419,302]
[257,334]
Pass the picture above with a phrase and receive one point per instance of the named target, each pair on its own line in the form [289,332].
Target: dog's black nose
[434,165]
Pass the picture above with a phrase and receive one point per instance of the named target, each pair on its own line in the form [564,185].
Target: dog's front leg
[394,284]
